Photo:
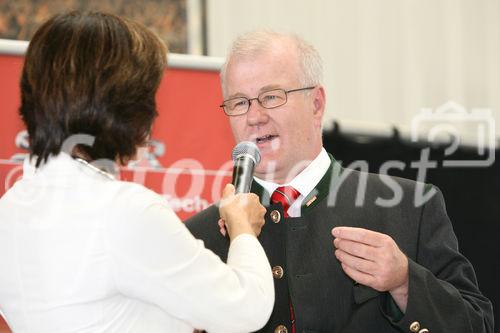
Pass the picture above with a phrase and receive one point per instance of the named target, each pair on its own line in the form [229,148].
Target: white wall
[384,59]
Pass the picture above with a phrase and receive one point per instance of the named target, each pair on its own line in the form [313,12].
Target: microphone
[246,156]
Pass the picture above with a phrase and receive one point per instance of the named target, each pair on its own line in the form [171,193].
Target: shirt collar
[307,179]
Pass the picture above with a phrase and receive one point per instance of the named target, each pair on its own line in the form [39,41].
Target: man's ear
[319,101]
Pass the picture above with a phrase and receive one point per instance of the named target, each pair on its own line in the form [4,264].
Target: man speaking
[338,266]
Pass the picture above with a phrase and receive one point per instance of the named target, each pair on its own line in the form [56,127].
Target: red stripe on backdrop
[194,131]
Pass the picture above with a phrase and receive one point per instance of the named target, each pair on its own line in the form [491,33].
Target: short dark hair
[91,73]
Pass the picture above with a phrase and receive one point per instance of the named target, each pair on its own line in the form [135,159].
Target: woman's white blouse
[80,252]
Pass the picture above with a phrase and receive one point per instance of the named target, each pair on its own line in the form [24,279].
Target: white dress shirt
[304,182]
[80,252]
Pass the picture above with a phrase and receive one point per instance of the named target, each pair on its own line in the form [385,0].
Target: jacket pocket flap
[363,293]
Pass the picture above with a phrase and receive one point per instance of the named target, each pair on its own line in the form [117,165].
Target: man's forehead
[250,74]
[267,72]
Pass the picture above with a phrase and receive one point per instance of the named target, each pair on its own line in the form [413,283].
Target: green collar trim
[314,197]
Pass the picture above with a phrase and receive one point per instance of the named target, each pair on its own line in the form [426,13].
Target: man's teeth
[265,138]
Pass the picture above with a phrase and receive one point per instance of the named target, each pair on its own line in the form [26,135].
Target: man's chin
[266,169]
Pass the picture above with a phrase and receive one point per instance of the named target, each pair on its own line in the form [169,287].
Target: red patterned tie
[286,195]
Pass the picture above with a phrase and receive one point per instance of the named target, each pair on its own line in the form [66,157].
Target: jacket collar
[320,191]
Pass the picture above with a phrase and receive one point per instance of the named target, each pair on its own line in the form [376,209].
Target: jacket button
[281,329]
[275,216]
[415,326]
[277,272]
[423,330]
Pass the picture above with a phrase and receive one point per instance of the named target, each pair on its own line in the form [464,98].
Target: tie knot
[285,195]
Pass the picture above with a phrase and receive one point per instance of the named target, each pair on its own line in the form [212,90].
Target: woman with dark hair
[83,252]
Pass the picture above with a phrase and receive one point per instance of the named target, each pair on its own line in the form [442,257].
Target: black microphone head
[247,148]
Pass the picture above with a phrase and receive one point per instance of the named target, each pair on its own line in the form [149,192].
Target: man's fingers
[359,277]
[358,264]
[356,249]
[360,235]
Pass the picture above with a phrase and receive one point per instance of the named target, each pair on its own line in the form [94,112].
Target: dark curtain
[472,194]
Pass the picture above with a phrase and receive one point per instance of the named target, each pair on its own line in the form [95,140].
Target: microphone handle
[243,174]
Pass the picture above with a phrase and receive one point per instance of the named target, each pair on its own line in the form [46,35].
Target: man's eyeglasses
[268,99]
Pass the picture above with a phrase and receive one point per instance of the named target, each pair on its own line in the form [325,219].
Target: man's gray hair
[260,41]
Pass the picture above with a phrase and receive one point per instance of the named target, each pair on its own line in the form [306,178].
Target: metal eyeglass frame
[260,102]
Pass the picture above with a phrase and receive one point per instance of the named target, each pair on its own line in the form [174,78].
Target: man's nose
[256,113]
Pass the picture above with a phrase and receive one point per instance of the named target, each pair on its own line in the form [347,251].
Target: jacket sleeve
[157,260]
[443,290]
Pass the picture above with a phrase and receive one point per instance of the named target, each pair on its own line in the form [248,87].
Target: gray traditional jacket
[443,291]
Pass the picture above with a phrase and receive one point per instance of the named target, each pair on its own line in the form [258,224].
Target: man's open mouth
[265,138]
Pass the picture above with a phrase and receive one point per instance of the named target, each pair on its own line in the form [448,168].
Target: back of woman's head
[94,74]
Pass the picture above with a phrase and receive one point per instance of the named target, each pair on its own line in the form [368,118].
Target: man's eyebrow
[235,95]
[261,90]
[269,87]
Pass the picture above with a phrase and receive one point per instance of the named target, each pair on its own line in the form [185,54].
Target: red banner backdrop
[190,161]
